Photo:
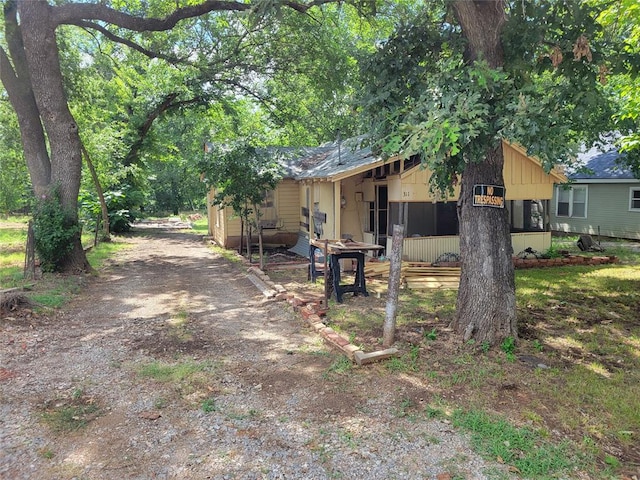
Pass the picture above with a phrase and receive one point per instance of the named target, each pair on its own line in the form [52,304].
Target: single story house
[601,199]
[346,191]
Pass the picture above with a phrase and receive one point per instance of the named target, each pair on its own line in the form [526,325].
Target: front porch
[428,249]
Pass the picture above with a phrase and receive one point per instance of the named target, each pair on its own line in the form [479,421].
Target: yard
[573,374]
[570,382]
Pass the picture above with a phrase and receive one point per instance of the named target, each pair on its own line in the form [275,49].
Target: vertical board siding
[288,206]
[539,241]
[428,249]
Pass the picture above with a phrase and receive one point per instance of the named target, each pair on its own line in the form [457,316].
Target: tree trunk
[486,305]
[17,82]
[395,273]
[40,47]
[103,204]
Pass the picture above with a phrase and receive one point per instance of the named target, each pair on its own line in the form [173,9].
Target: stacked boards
[417,275]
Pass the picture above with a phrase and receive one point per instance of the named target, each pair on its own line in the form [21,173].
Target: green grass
[70,414]
[12,245]
[229,255]
[611,246]
[53,292]
[581,322]
[201,226]
[104,251]
[50,291]
[529,453]
[173,373]
[340,366]
[186,379]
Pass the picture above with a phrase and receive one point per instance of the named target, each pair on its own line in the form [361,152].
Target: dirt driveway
[181,370]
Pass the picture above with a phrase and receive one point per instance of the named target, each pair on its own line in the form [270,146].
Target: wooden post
[260,247]
[327,277]
[30,254]
[395,267]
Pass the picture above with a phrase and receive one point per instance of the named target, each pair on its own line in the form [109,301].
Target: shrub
[53,231]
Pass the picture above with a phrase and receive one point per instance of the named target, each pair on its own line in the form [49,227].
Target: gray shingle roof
[327,160]
[603,165]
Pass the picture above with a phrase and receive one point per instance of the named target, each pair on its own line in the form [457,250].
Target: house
[279,211]
[603,199]
[344,190]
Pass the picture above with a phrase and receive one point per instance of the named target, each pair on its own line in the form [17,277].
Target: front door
[381,215]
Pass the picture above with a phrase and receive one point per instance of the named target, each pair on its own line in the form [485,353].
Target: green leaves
[422,97]
[241,175]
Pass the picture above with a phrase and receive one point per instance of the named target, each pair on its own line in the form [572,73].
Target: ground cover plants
[48,290]
[569,384]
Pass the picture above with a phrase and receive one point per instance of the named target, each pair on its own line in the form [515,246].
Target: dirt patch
[194,375]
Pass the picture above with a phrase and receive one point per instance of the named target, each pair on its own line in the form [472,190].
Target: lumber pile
[417,275]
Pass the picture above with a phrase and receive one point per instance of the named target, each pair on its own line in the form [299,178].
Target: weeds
[520,448]
[209,405]
[180,372]
[340,366]
[508,346]
[432,335]
[68,415]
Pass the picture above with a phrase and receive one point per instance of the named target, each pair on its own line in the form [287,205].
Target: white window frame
[571,202]
[632,190]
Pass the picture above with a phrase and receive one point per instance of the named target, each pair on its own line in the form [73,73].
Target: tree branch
[167,104]
[117,39]
[71,13]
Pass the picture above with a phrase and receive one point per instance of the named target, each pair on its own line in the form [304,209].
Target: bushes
[53,231]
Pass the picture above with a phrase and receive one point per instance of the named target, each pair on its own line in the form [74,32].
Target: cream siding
[287,206]
[352,208]
[428,249]
[524,179]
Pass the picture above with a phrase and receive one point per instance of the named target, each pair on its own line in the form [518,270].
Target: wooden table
[333,251]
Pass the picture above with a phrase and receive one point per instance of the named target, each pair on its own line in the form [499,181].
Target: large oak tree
[31,74]
[458,77]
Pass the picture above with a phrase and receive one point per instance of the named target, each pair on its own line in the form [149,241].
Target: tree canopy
[103,74]
[549,92]
[456,78]
[143,85]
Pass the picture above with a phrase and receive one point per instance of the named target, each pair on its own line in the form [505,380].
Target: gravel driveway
[262,396]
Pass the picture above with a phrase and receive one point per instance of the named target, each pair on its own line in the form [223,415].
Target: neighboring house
[602,200]
[345,191]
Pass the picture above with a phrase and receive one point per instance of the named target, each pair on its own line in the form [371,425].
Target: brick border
[313,310]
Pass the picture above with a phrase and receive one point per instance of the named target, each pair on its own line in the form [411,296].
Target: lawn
[563,397]
[49,290]
[571,380]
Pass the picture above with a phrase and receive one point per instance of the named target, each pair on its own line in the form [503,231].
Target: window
[269,199]
[572,201]
[634,199]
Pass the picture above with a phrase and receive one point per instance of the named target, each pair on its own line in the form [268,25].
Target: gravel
[274,407]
